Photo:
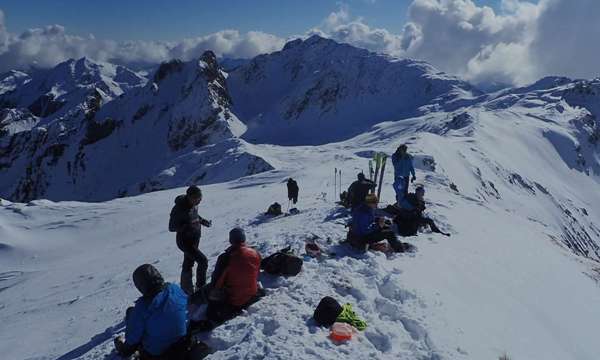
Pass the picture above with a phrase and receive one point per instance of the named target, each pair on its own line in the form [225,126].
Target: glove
[120,345]
[207,223]
[413,179]
[122,348]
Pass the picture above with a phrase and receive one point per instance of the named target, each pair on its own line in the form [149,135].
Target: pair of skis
[380,160]
[337,181]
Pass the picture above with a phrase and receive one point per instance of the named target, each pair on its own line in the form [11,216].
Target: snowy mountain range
[513,175]
[103,132]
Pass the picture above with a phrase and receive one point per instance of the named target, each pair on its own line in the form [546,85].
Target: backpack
[282,262]
[274,209]
[327,311]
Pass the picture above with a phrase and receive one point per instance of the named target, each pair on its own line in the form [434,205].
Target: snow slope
[504,282]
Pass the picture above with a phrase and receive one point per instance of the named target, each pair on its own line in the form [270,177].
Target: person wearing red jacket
[234,282]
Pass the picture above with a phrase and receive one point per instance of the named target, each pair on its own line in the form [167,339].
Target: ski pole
[334,184]
[340,189]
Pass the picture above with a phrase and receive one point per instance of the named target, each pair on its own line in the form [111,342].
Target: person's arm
[204,222]
[134,330]
[178,220]
[367,223]
[220,266]
[412,168]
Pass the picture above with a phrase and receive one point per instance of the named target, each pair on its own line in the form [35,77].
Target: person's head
[361,176]
[420,192]
[402,149]
[371,200]
[194,194]
[148,280]
[237,236]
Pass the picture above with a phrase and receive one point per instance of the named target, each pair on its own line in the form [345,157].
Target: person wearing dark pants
[186,222]
[191,256]
[410,216]
[371,230]
[358,190]
[403,169]
[293,189]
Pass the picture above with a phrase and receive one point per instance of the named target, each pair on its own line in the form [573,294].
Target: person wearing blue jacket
[403,168]
[370,229]
[157,325]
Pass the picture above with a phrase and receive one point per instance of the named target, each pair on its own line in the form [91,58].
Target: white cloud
[520,43]
[48,46]
[567,38]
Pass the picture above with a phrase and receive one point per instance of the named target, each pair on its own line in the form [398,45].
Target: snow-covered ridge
[103,119]
[337,88]
[175,129]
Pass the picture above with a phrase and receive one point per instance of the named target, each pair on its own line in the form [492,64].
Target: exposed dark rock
[98,131]
[45,105]
[167,68]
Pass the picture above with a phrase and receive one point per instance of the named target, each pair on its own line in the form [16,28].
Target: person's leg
[405,186]
[187,267]
[392,239]
[202,261]
[433,226]
[219,312]
[373,237]
[397,185]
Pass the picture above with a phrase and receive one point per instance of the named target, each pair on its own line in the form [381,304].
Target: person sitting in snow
[403,167]
[366,229]
[410,217]
[234,283]
[157,325]
[358,190]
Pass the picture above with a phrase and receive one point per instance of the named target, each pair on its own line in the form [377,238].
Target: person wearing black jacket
[410,217]
[186,222]
[292,187]
[358,190]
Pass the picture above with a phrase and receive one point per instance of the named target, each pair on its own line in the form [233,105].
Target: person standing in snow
[411,216]
[234,282]
[157,325]
[403,168]
[371,230]
[186,222]
[358,190]
[293,189]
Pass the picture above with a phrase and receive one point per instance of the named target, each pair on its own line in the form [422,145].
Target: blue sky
[173,20]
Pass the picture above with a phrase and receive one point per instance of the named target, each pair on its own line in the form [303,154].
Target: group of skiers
[368,229]
[158,326]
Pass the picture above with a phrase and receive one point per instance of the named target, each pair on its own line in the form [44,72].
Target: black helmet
[361,176]
[194,191]
[237,236]
[148,280]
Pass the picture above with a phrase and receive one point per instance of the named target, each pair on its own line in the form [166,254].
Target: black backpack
[327,311]
[282,262]
[274,209]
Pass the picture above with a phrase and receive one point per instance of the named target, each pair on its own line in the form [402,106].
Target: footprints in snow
[9,279]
